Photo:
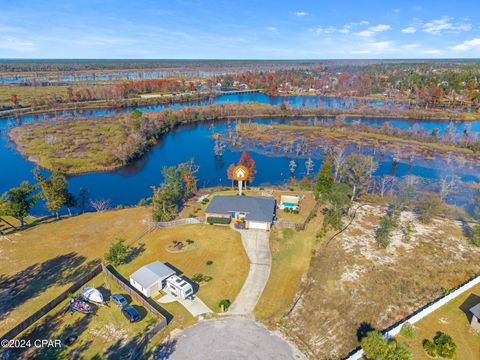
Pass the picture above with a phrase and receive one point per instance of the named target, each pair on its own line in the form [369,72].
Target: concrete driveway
[195,306]
[257,247]
[226,339]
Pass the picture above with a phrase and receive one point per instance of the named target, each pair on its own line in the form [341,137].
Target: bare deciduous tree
[309,165]
[386,183]
[448,183]
[100,204]
[338,161]
[292,165]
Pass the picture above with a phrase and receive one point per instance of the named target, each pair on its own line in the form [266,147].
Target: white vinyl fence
[178,222]
[421,313]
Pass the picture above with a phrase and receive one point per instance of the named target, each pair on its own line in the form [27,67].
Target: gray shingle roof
[151,273]
[476,310]
[257,208]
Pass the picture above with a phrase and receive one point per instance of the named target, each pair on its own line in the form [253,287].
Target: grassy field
[352,283]
[38,263]
[41,94]
[221,245]
[454,319]
[291,253]
[106,334]
[70,145]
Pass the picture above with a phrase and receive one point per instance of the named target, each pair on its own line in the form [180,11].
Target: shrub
[407,230]
[218,220]
[207,278]
[442,345]
[197,277]
[189,241]
[408,331]
[384,232]
[209,262]
[117,253]
[475,237]
[429,207]
[205,201]
[376,347]
[142,202]
[430,348]
[225,304]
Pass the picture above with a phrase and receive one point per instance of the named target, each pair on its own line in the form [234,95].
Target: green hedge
[218,220]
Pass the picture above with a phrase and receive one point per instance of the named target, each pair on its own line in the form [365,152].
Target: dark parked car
[119,300]
[131,313]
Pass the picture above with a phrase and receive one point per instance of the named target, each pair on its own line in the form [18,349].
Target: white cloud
[409,30]
[348,27]
[431,52]
[396,11]
[437,26]
[466,45]
[322,30]
[375,47]
[301,13]
[372,30]
[14,44]
[411,46]
[272,29]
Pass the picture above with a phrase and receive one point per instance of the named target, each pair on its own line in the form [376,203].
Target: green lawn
[454,319]
[221,245]
[291,252]
[40,262]
[106,334]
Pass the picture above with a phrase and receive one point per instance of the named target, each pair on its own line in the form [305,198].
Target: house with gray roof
[151,278]
[258,212]
[475,323]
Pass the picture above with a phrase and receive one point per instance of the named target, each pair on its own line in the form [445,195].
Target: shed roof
[257,208]
[476,310]
[149,274]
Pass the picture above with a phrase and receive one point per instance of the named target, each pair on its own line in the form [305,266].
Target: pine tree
[325,178]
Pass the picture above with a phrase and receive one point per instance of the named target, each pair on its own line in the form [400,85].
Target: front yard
[219,245]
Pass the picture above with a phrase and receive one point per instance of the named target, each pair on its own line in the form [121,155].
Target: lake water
[130,184]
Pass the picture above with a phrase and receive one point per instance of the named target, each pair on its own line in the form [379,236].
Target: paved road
[257,247]
[226,339]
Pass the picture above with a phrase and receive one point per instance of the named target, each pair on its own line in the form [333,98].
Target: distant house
[291,202]
[179,287]
[151,278]
[258,212]
[475,323]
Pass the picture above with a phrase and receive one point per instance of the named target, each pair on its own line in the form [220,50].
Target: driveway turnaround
[257,247]
[228,338]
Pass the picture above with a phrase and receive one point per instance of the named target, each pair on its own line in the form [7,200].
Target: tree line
[19,201]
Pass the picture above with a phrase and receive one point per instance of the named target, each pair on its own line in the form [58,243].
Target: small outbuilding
[179,287]
[151,278]
[257,212]
[475,323]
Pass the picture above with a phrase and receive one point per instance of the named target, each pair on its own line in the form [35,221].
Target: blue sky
[257,29]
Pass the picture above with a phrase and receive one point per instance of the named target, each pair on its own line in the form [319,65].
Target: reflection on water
[130,184]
